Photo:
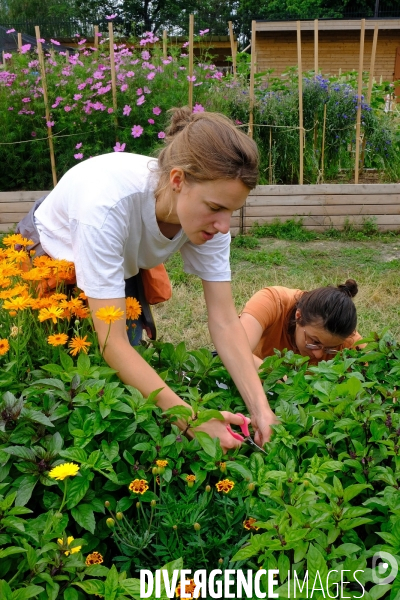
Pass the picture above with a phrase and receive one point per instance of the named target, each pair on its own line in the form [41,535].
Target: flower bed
[97,483]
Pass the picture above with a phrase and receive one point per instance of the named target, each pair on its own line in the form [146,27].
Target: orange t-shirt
[272,306]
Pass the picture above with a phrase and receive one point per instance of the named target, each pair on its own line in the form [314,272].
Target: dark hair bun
[180,118]
[350,288]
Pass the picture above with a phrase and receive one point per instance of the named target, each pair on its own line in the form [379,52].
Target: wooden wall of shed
[337,50]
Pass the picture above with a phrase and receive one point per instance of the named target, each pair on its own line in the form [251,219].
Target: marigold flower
[16,238]
[70,539]
[226,485]
[4,347]
[65,470]
[133,309]
[138,486]
[15,291]
[249,524]
[18,303]
[109,314]
[95,558]
[189,589]
[58,339]
[190,479]
[78,344]
[52,312]
[161,463]
[158,480]
[37,274]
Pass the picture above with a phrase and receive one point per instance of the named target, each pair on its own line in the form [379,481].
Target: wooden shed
[338,46]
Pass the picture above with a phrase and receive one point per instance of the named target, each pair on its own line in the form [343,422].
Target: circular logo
[384,568]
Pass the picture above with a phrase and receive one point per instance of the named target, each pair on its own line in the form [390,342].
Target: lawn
[374,263]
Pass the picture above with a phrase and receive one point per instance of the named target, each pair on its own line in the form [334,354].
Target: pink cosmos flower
[99,34]
[42,40]
[140,100]
[26,99]
[130,74]
[77,96]
[238,122]
[145,55]
[25,48]
[203,31]
[78,146]
[119,147]
[7,55]
[50,123]
[146,90]
[124,87]
[139,91]
[198,108]
[161,135]
[151,76]
[110,110]
[185,45]
[157,110]
[151,121]
[55,42]
[78,156]
[10,108]
[82,86]
[10,31]
[191,78]
[33,134]
[137,131]
[81,42]
[127,110]
[67,108]
[110,17]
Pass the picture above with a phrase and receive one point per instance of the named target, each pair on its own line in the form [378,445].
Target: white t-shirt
[101,216]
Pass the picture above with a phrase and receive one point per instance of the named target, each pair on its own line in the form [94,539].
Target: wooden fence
[320,206]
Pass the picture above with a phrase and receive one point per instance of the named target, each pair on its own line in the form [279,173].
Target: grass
[372,260]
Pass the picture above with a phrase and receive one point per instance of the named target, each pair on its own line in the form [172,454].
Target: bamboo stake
[315,48]
[46,104]
[19,35]
[252,73]
[323,146]
[67,56]
[233,48]
[301,129]
[164,41]
[191,42]
[270,156]
[372,64]
[96,37]
[359,92]
[113,76]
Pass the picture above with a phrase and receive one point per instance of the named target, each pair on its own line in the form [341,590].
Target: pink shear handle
[244,427]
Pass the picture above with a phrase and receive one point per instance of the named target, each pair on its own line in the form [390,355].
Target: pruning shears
[246,433]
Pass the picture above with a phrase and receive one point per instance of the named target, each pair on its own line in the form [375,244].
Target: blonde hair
[206,146]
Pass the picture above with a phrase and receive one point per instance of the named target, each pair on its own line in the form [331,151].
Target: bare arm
[254,332]
[233,347]
[135,371]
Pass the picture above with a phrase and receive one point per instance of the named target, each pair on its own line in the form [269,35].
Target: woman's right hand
[216,428]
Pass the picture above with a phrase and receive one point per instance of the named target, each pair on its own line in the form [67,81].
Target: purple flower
[110,17]
[10,31]
[191,78]
[81,42]
[130,74]
[119,147]
[99,34]
[139,91]
[26,99]
[124,87]
[55,42]
[25,48]
[33,134]
[151,76]
[50,123]
[185,45]
[161,135]
[157,111]
[145,55]
[7,55]
[198,108]
[127,110]
[151,121]
[77,96]
[67,108]
[146,90]
[78,146]
[140,100]
[82,86]
[78,156]
[137,131]
[110,110]
[204,31]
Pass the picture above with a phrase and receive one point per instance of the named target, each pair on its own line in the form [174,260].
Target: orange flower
[190,477]
[18,303]
[161,463]
[249,524]
[95,558]
[37,274]
[82,313]
[16,238]
[109,314]
[78,344]
[189,589]
[138,486]
[53,313]
[133,310]
[4,347]
[226,485]
[58,297]
[59,339]
[15,291]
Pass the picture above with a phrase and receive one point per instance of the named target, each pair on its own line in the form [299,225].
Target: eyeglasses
[319,346]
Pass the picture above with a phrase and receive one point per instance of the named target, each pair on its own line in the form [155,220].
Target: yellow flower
[190,477]
[16,238]
[15,291]
[93,559]
[226,485]
[58,339]
[138,486]
[69,541]
[37,274]
[189,589]
[63,471]
[109,314]
[4,347]
[133,310]
[78,344]
[18,303]
[249,524]
[53,313]
[57,297]
[161,463]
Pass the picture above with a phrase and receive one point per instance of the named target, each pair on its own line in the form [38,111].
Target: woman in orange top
[317,324]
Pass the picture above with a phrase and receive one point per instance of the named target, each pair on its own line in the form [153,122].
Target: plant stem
[64,496]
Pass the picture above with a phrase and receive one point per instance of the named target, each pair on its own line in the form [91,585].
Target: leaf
[179,411]
[131,586]
[21,452]
[377,591]
[29,591]
[110,451]
[206,442]
[235,467]
[77,489]
[76,454]
[353,490]
[83,515]
[337,486]
[346,524]
[111,584]
[91,586]
[5,590]
[71,594]
[283,566]
[316,563]
[66,361]
[11,550]
[83,364]
[36,416]
[345,550]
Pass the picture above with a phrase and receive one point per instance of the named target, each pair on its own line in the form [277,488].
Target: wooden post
[233,48]
[96,37]
[252,73]
[372,64]
[270,156]
[359,102]
[46,104]
[67,56]
[191,42]
[113,76]
[301,129]
[19,35]
[164,43]
[323,145]
[315,48]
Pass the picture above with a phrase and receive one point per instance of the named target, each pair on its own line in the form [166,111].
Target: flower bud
[137,504]
[222,467]
[107,504]
[110,523]
[77,323]
[190,484]
[197,526]
[220,561]
[175,527]
[153,503]
[155,470]
[251,486]
[119,516]
[58,515]
[208,489]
